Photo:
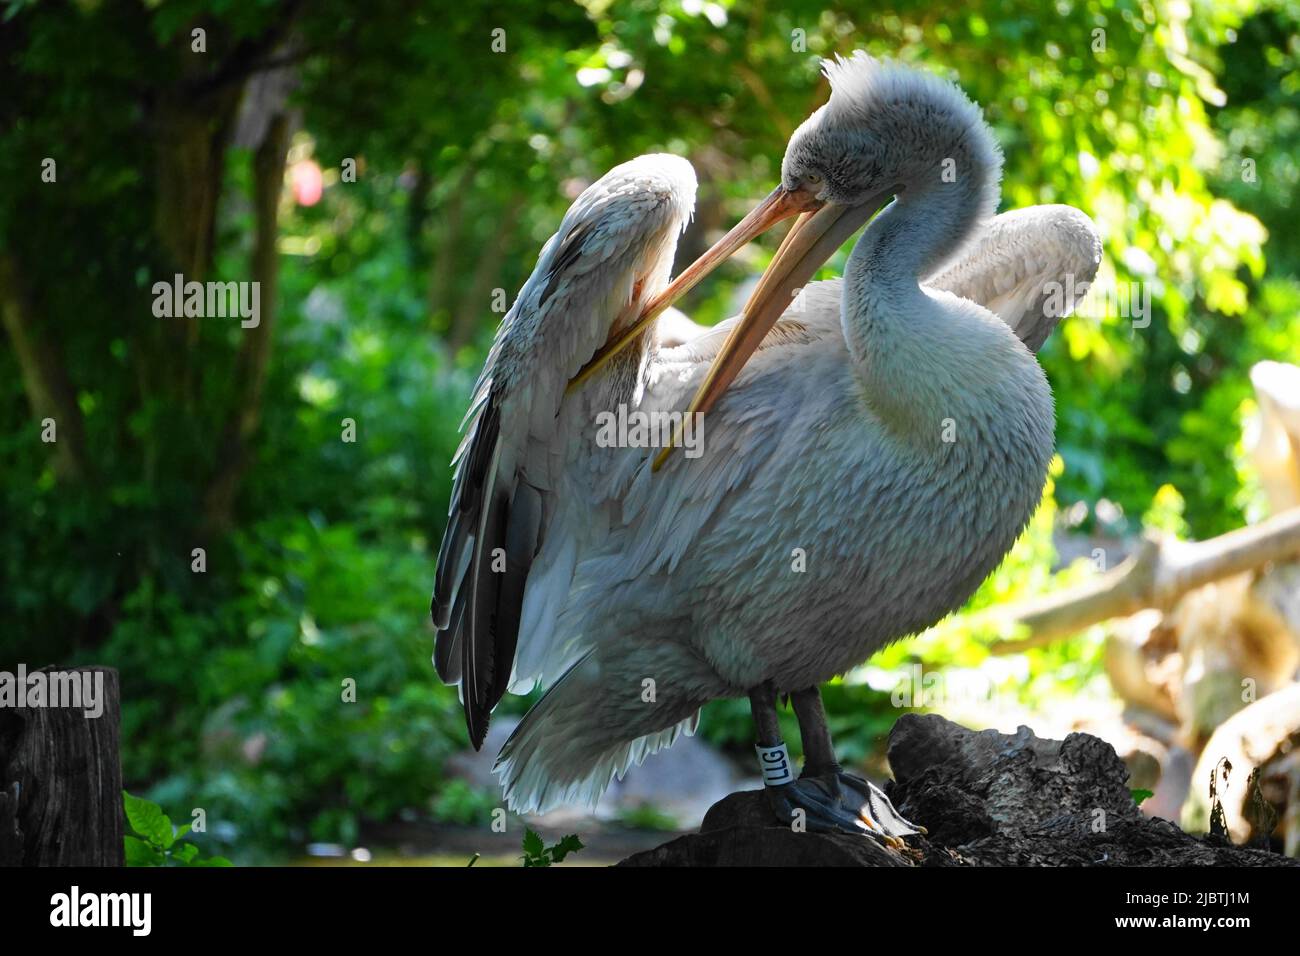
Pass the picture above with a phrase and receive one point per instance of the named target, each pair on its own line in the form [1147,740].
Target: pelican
[872,447]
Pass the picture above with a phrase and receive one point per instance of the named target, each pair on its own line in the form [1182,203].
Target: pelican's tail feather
[581,735]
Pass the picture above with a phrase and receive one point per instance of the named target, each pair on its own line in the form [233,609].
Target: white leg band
[774,762]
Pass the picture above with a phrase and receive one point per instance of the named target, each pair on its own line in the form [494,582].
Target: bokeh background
[470,127]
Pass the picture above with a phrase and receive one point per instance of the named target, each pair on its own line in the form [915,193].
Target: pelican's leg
[815,732]
[854,794]
[818,803]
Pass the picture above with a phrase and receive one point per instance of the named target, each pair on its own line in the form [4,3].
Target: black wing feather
[476,609]
[478,643]
[455,556]
[466,512]
[446,646]
[522,530]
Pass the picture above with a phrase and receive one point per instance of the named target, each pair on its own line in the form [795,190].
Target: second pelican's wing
[1029,266]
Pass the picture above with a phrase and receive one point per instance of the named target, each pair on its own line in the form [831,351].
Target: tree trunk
[49,392]
[61,781]
[444,260]
[475,303]
[255,352]
[191,161]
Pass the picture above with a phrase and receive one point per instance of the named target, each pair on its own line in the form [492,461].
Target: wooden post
[61,781]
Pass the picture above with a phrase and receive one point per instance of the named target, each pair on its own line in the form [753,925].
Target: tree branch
[251,55]
[1160,572]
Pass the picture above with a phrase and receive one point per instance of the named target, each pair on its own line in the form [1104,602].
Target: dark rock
[747,808]
[987,799]
[749,846]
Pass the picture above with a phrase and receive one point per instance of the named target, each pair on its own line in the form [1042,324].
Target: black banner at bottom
[336,904]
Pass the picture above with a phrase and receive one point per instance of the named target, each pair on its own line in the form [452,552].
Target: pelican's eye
[813,179]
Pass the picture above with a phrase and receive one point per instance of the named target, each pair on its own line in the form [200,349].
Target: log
[986,798]
[1159,572]
[1264,734]
[61,781]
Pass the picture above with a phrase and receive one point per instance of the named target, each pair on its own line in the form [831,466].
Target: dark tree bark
[191,157]
[61,783]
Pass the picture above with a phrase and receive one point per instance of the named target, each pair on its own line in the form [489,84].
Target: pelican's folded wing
[616,241]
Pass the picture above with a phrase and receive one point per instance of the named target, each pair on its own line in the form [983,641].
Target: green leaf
[570,844]
[148,820]
[185,852]
[534,849]
[139,853]
[1140,795]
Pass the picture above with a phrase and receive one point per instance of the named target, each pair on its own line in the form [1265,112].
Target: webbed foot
[839,801]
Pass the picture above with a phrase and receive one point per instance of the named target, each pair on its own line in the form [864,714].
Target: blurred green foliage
[233,679]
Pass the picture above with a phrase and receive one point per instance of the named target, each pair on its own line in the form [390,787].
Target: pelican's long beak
[780,204]
[810,243]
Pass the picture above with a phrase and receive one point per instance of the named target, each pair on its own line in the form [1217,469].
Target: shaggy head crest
[888,125]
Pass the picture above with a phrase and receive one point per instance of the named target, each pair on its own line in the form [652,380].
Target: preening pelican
[870,452]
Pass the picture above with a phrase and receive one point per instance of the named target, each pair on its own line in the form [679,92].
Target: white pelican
[868,457]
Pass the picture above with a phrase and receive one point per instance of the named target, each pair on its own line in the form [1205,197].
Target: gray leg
[818,751]
[826,797]
[762,705]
